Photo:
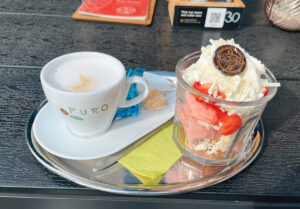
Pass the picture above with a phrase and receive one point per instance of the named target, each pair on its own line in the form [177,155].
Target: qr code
[215,17]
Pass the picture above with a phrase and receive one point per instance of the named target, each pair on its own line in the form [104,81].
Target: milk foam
[82,75]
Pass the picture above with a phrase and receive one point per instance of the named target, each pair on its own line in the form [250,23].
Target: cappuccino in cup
[83,75]
[86,89]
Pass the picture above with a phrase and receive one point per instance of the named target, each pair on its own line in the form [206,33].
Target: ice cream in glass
[221,93]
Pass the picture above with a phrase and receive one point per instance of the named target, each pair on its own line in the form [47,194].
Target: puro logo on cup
[87,88]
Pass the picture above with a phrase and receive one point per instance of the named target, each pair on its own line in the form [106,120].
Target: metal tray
[108,175]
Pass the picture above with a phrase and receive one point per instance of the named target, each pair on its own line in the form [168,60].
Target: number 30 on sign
[232,17]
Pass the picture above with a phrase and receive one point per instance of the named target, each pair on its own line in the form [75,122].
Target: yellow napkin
[154,157]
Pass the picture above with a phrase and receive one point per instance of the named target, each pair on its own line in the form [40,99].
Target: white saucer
[53,136]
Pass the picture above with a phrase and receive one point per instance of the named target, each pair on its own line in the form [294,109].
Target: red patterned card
[122,9]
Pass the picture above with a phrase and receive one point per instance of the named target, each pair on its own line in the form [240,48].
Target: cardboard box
[206,14]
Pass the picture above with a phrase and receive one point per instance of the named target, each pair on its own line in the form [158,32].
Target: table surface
[33,32]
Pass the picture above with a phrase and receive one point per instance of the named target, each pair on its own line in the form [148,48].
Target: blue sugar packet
[132,93]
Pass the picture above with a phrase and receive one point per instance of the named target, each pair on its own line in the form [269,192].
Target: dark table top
[33,32]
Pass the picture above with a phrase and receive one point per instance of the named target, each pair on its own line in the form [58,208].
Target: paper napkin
[154,157]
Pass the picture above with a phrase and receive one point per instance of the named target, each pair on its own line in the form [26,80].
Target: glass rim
[262,101]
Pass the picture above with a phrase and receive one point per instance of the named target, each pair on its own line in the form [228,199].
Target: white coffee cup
[87,88]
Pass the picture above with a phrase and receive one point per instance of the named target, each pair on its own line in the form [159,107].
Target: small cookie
[229,60]
[155,99]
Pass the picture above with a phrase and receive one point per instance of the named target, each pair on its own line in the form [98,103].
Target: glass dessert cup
[198,130]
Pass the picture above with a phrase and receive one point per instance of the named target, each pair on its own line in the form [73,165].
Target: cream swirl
[246,86]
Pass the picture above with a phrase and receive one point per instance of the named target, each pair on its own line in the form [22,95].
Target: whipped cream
[246,86]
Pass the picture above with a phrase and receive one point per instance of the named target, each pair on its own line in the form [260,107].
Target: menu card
[119,9]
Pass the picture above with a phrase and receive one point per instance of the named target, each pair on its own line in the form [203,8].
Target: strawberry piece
[222,95]
[230,124]
[266,90]
[203,88]
[203,111]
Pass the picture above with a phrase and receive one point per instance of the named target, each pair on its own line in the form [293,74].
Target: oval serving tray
[108,175]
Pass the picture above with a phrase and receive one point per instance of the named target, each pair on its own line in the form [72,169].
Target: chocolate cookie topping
[229,60]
